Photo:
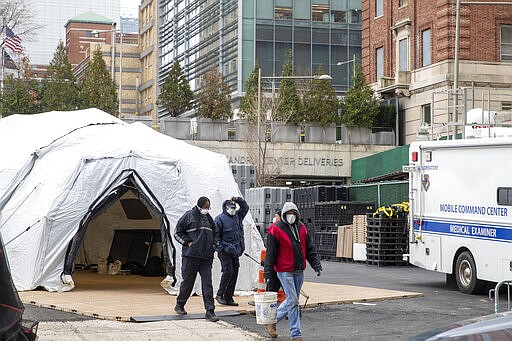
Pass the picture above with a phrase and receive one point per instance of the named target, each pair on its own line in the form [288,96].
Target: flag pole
[3,56]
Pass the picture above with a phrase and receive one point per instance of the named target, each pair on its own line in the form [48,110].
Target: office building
[235,34]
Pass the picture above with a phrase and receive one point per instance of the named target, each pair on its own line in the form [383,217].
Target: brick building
[408,55]
[88,30]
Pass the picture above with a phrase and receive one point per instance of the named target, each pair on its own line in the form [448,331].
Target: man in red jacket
[288,247]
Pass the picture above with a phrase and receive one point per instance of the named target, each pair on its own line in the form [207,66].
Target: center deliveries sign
[296,159]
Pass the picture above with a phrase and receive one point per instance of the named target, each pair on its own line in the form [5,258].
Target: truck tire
[465,274]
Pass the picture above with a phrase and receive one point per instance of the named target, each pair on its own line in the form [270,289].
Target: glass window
[425,113]
[379,58]
[302,34]
[264,32]
[281,56]
[339,37]
[302,58]
[339,54]
[339,16]
[402,3]
[339,11]
[356,16]
[506,42]
[248,8]
[379,8]
[403,55]
[265,9]
[283,33]
[283,13]
[320,12]
[248,29]
[425,48]
[355,38]
[321,35]
[504,195]
[264,55]
[320,58]
[302,9]
[355,11]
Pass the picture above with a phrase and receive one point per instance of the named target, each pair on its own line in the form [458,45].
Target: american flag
[12,41]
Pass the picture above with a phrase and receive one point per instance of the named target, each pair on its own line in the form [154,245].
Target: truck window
[505,196]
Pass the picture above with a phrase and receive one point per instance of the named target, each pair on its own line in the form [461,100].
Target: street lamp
[113,32]
[273,78]
[353,60]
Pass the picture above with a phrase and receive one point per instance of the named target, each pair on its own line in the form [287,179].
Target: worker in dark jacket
[196,232]
[231,245]
[288,247]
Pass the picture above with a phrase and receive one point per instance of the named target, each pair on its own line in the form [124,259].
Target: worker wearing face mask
[288,247]
[231,245]
[195,230]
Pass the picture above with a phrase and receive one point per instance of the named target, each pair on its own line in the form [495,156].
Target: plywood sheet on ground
[121,297]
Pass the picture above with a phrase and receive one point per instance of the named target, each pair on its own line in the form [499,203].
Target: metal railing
[496,293]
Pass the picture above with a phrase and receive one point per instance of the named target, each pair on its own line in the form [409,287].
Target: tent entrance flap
[128,180]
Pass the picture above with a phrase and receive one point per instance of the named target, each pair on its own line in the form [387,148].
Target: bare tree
[261,134]
[18,16]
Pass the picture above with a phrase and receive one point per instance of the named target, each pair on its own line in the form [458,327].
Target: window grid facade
[233,35]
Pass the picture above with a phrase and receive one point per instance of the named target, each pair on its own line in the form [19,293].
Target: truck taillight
[414,156]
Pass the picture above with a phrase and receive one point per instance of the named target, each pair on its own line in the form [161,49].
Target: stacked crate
[336,217]
[306,197]
[264,202]
[386,240]
[245,177]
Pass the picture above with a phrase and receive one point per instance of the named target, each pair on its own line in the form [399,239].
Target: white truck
[461,209]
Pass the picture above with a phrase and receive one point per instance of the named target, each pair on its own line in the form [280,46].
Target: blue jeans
[291,283]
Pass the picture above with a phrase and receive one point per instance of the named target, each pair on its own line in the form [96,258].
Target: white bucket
[266,307]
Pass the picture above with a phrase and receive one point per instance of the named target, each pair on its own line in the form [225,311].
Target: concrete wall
[296,159]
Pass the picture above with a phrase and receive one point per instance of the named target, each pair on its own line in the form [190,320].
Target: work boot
[221,300]
[231,302]
[210,316]
[271,329]
[180,310]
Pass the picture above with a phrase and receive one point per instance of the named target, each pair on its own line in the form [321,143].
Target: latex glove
[318,272]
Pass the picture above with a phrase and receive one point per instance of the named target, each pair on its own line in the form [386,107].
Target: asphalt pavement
[396,319]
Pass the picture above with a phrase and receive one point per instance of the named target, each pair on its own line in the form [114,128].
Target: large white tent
[60,170]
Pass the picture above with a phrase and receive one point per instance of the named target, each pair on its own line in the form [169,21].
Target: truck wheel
[465,274]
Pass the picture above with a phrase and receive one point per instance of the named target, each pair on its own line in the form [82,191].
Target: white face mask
[290,218]
[231,211]
[274,220]
[203,210]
